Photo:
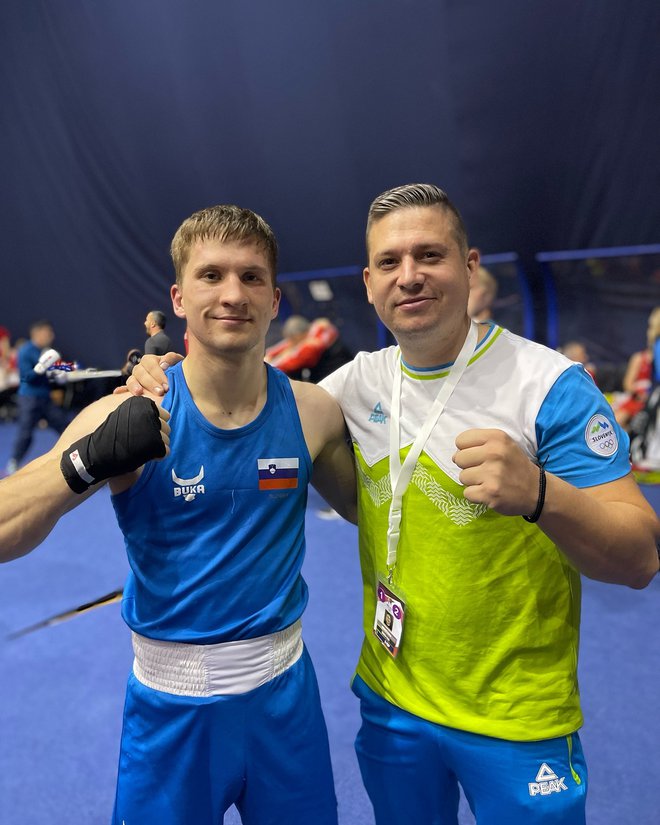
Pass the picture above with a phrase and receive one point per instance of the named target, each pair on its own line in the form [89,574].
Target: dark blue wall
[119,118]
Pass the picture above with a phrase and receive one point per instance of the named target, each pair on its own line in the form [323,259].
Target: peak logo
[188,488]
[600,436]
[378,416]
[547,782]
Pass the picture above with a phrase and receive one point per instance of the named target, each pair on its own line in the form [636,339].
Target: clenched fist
[496,472]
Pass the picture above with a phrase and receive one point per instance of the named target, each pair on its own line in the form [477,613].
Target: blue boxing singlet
[215,531]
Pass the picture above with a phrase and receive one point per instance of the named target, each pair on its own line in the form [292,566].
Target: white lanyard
[400,475]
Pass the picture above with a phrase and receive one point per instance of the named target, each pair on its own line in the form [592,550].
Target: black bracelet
[541,500]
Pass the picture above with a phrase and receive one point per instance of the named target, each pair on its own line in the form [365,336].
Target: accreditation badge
[390,615]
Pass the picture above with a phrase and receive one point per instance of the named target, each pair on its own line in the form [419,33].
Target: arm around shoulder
[325,433]
[149,374]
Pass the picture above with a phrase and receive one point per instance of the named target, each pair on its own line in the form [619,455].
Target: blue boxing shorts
[186,759]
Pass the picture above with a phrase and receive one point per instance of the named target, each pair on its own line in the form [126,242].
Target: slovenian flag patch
[277,473]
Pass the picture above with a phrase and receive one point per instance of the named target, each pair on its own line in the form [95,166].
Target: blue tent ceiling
[119,119]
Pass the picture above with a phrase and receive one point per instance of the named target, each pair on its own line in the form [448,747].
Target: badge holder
[390,615]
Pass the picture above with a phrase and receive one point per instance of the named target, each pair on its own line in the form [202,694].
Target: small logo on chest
[377,415]
[188,488]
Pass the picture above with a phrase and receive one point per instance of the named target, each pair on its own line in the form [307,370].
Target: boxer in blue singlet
[222,706]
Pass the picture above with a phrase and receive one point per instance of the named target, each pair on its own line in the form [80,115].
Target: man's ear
[473,261]
[365,278]
[276,302]
[177,301]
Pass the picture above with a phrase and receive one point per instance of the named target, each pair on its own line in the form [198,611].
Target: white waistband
[217,669]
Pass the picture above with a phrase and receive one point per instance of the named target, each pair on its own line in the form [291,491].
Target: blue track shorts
[185,760]
[412,770]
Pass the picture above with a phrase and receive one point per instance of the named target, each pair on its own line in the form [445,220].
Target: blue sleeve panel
[578,437]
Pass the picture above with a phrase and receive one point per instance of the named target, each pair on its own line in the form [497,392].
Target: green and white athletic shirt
[492,606]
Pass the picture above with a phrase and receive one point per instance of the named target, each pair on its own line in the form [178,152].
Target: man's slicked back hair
[225,222]
[411,195]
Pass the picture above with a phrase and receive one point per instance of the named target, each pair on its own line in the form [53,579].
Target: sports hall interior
[121,119]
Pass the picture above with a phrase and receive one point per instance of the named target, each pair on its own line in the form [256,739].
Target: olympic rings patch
[600,436]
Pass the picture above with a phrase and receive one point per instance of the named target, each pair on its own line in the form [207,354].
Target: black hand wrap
[127,439]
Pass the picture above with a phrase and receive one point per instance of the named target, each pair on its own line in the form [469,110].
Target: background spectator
[483,291]
[577,351]
[35,404]
[5,347]
[8,377]
[157,343]
[638,377]
[308,351]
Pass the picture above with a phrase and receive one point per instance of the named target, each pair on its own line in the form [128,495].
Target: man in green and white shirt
[471,572]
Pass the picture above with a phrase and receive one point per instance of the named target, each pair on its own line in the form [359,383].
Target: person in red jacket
[308,351]
[638,377]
